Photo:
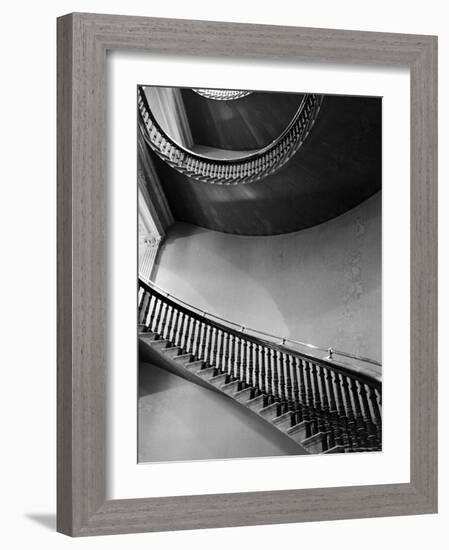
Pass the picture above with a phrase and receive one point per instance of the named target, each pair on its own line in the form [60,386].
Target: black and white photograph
[259,317]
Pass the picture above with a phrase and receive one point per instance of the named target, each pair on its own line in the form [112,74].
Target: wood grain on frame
[83,40]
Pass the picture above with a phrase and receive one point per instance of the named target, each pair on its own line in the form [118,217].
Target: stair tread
[313,438]
[254,399]
[218,376]
[268,408]
[296,428]
[198,363]
[242,391]
[229,384]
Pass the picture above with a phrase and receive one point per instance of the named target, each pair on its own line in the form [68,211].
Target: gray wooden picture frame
[83,40]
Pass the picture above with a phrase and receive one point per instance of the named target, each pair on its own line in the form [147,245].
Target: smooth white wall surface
[27,406]
[321,285]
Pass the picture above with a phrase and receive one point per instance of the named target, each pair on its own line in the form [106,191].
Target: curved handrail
[327,402]
[282,340]
[246,169]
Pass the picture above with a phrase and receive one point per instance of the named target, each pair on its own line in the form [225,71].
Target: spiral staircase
[291,182]
[323,406]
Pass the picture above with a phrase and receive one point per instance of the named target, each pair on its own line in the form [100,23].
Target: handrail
[243,328]
[332,407]
[250,167]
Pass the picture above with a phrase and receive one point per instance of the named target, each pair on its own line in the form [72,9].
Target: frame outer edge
[424,273]
[82,284]
[64,274]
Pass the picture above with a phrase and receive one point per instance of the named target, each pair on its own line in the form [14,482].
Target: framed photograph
[247,282]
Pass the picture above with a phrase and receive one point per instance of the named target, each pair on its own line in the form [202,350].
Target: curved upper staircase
[323,406]
[325,162]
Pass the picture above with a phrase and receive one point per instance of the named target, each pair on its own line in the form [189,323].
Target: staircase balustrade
[246,169]
[333,404]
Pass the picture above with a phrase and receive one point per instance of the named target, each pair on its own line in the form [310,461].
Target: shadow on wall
[321,285]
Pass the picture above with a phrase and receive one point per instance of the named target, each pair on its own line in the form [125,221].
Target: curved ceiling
[338,167]
[244,124]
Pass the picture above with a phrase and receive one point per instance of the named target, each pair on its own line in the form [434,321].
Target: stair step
[160,344]
[298,432]
[148,336]
[336,449]
[242,395]
[219,379]
[256,403]
[314,443]
[284,421]
[184,358]
[269,412]
[194,366]
[206,373]
[172,352]
[230,387]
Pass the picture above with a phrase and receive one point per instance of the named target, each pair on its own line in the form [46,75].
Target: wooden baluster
[281,382]
[359,421]
[188,343]
[163,319]
[275,364]
[321,426]
[373,396]
[370,426]
[158,316]
[179,324]
[352,428]
[333,412]
[184,332]
[140,295]
[210,347]
[238,361]
[147,310]
[256,369]
[295,389]
[203,340]
[214,360]
[310,398]
[143,311]
[232,375]
[303,397]
[242,376]
[288,383]
[207,343]
[195,337]
[327,418]
[269,388]
[249,368]
[219,351]
[242,364]
[346,434]
[263,374]
[152,309]
[169,313]
[225,357]
[142,307]
[171,335]
[220,357]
